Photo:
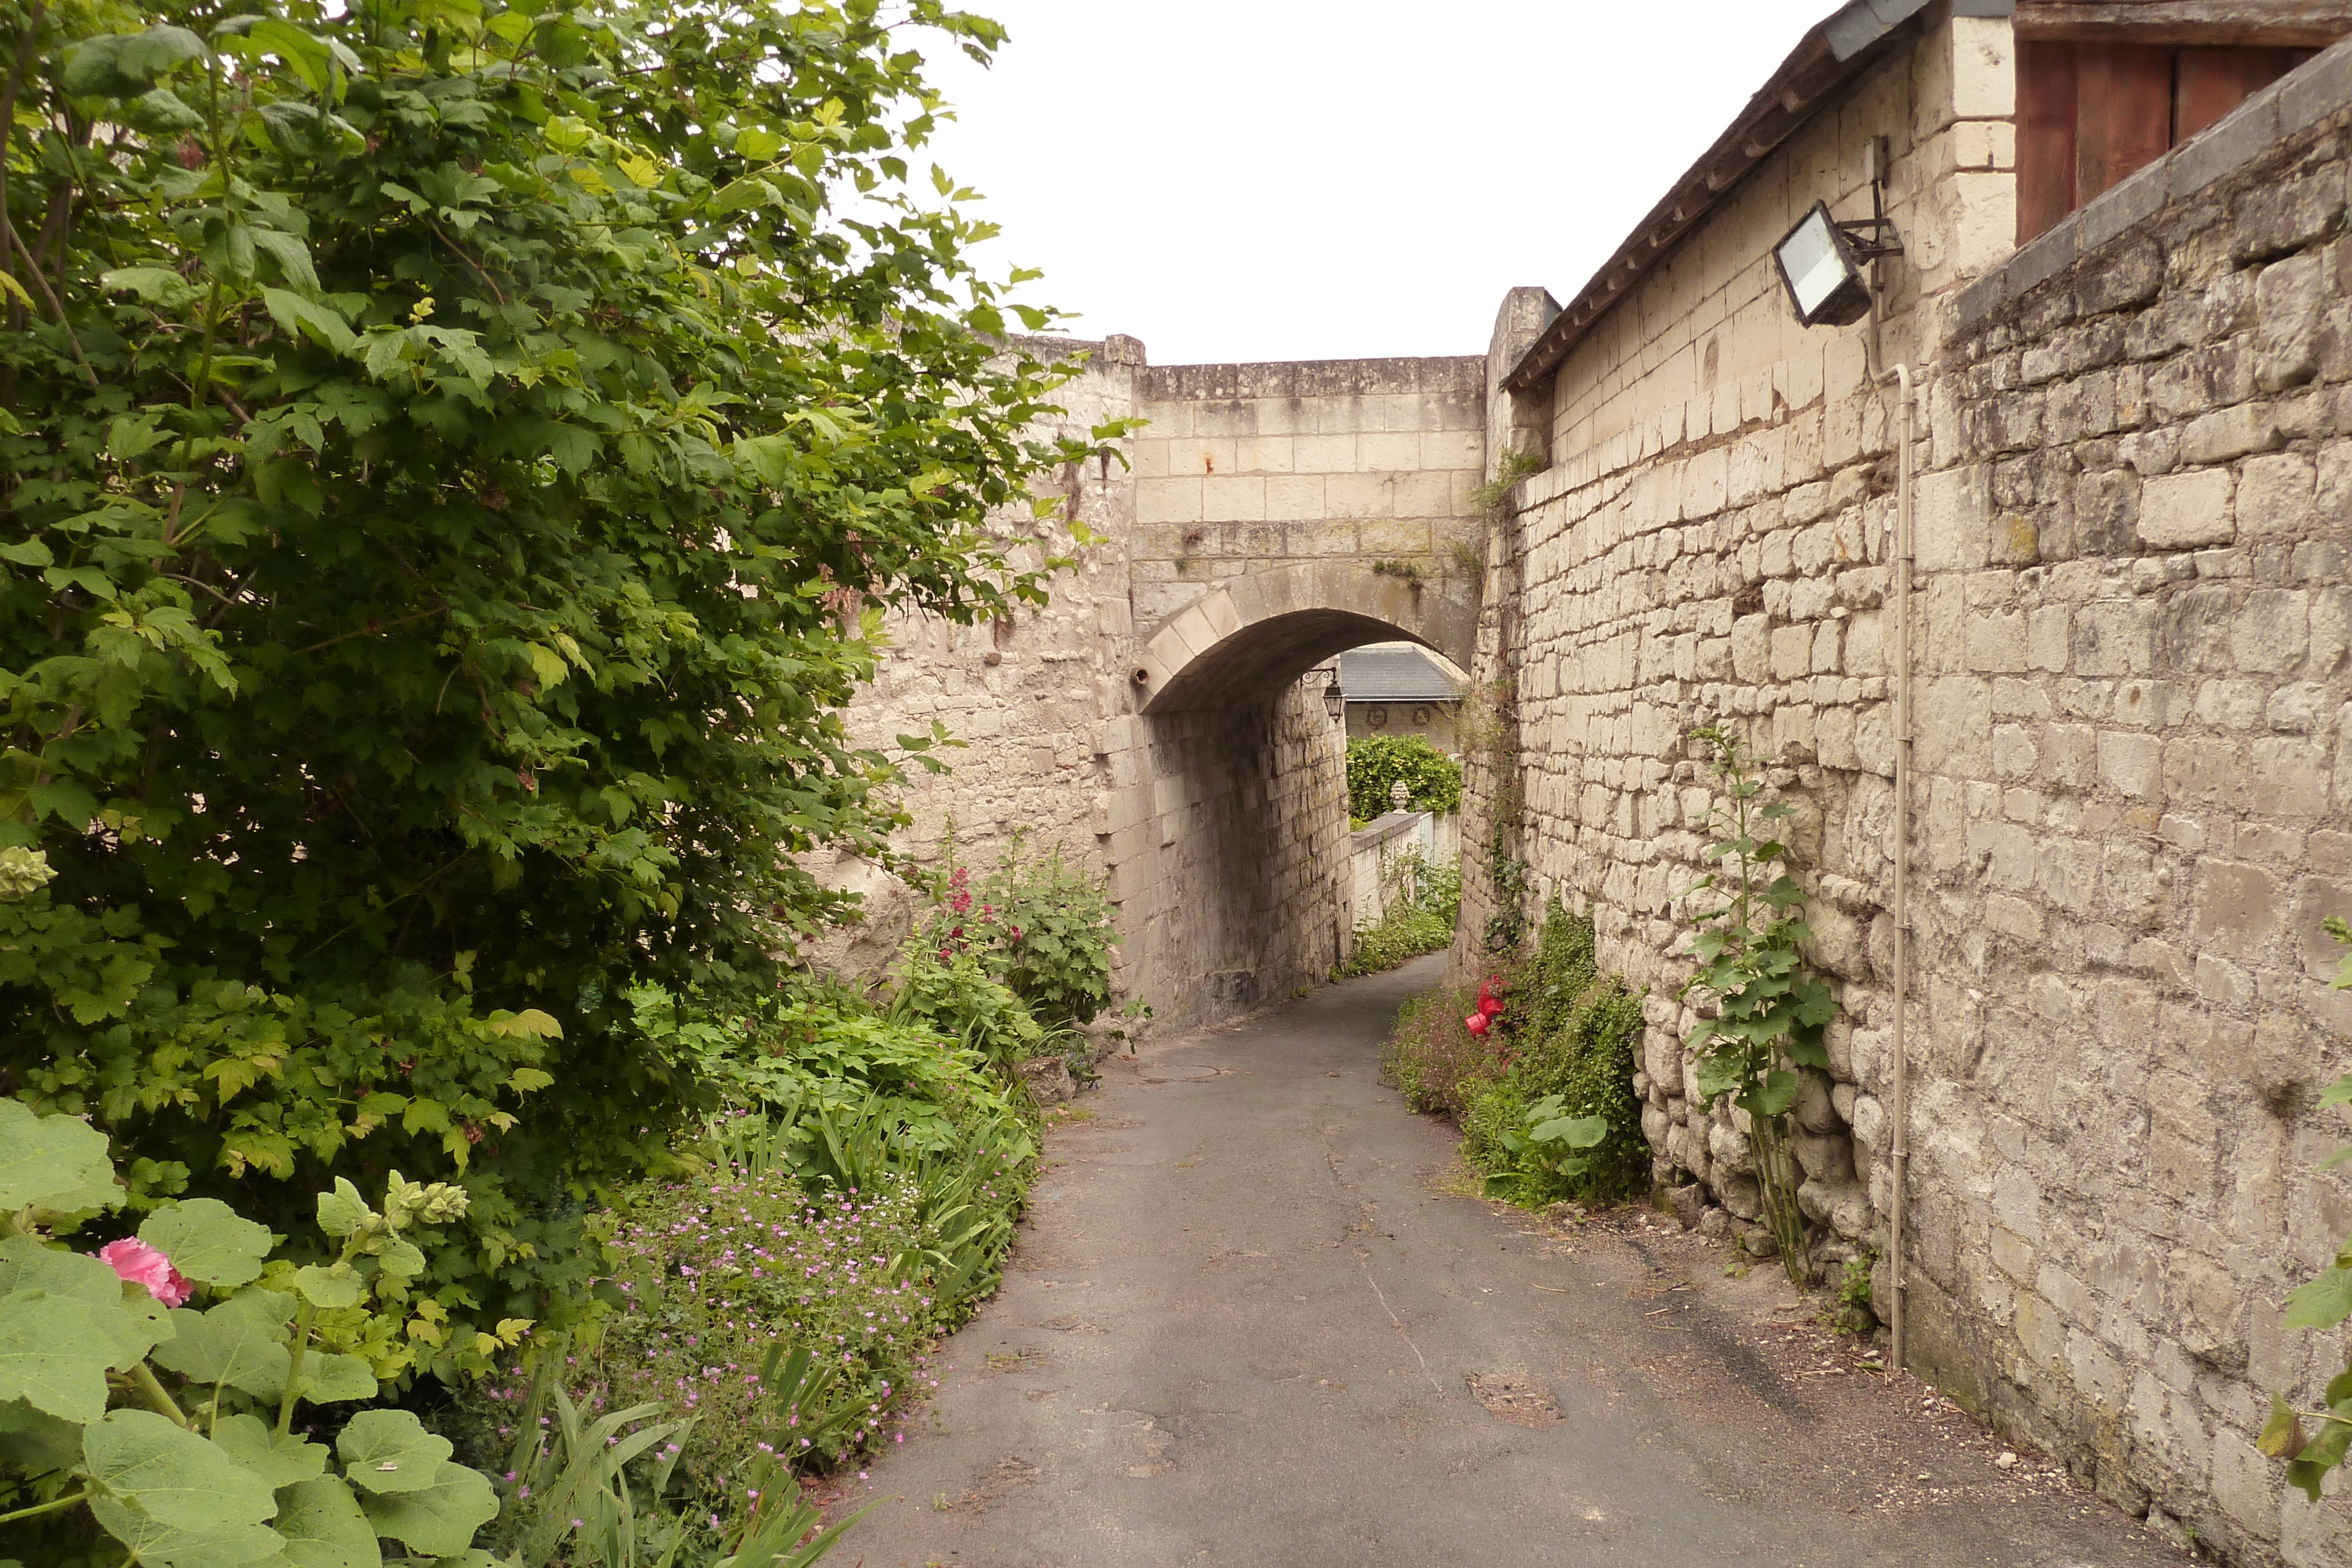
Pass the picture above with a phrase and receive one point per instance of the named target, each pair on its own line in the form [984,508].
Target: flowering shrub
[1438,1064]
[1042,929]
[723,1281]
[183,1428]
[1537,1066]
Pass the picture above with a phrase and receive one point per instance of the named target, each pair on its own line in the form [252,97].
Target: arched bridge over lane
[1284,513]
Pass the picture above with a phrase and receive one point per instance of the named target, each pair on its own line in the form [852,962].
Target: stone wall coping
[2304,97]
[1312,377]
[1386,827]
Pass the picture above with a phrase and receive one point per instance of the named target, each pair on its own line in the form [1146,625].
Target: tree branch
[372,627]
[56,310]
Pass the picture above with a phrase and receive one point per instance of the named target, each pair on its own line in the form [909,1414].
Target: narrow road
[1243,1326]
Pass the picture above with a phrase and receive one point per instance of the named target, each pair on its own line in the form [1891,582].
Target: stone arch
[1251,635]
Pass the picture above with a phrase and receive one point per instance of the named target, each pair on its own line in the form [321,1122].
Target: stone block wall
[1246,469]
[2132,798]
[2136,808]
[1705,344]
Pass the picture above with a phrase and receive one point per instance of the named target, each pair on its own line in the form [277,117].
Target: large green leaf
[328,1378]
[387,1451]
[440,1520]
[56,1163]
[156,1544]
[331,1289]
[54,1351]
[282,1461]
[33,1443]
[135,1319]
[324,1527]
[207,1241]
[241,1342]
[2322,1303]
[174,1498]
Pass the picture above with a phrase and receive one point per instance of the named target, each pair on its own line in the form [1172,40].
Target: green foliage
[1508,878]
[457,458]
[1771,1015]
[1567,1037]
[1424,903]
[2321,1302]
[203,1466]
[1406,931]
[1493,499]
[1439,1066]
[1547,1155]
[1852,1310]
[1433,781]
[585,1491]
[863,1206]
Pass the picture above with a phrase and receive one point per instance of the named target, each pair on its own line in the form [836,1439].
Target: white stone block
[2181,511]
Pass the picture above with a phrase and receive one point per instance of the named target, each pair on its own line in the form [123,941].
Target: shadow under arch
[1232,851]
[1252,635]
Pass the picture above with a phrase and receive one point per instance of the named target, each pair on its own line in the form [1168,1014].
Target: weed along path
[1247,1327]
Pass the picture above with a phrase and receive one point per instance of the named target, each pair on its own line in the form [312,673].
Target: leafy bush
[1559,1059]
[456,459]
[726,1282]
[862,1208]
[1546,1155]
[1432,779]
[1043,929]
[171,1427]
[1574,1032]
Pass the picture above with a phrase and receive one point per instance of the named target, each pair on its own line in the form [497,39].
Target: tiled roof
[1395,673]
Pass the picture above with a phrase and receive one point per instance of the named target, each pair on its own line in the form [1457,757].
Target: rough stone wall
[2133,766]
[2136,808]
[1027,696]
[1240,893]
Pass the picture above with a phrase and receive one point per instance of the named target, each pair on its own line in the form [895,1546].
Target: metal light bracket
[1863,234]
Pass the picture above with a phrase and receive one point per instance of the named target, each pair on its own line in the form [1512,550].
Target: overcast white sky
[1301,179]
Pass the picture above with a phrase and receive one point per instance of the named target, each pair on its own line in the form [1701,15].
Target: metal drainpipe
[1906,415]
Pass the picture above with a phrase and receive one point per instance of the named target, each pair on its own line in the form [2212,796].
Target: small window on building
[2092,111]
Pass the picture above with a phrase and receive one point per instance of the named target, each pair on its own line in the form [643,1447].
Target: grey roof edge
[1829,56]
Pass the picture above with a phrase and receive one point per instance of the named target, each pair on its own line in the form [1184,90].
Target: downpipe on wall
[1906,415]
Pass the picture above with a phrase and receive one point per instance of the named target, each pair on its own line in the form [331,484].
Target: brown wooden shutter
[2123,112]
[2092,112]
[2045,136]
[2212,82]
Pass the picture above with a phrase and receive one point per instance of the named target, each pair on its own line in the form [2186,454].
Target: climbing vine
[1770,1014]
[1490,725]
[2321,1302]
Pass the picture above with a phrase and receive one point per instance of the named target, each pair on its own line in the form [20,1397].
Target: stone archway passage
[1253,634]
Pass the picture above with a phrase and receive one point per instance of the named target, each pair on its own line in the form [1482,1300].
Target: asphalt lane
[1245,1327]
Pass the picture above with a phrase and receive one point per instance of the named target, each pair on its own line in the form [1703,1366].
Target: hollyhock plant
[142,1265]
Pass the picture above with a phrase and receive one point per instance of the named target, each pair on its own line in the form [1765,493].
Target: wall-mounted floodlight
[1822,262]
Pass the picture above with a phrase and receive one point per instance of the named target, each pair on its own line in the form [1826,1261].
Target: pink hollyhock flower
[142,1265]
